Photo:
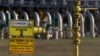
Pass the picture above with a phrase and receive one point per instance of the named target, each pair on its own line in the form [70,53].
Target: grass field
[61,47]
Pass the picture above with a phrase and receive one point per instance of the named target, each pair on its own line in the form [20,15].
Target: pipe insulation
[82,25]
[70,23]
[49,18]
[8,15]
[25,15]
[92,30]
[15,16]
[37,19]
[3,17]
[60,24]
[2,22]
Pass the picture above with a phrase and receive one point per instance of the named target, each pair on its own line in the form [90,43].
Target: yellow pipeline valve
[38,30]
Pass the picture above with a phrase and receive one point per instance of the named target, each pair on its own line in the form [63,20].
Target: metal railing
[48,4]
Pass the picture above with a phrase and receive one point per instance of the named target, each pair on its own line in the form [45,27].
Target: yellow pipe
[38,30]
[90,8]
[40,13]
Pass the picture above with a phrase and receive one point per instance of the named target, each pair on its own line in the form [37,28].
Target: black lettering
[20,40]
[12,40]
[21,33]
[27,40]
[21,29]
[31,40]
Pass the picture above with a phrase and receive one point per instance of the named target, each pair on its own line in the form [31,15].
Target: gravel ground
[62,47]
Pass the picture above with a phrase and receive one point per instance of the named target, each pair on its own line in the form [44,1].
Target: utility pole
[76,35]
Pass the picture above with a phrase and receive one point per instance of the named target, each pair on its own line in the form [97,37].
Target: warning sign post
[21,37]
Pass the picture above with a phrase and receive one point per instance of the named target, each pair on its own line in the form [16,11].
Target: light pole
[76,35]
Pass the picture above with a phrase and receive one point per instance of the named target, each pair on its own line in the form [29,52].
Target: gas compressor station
[51,18]
[48,19]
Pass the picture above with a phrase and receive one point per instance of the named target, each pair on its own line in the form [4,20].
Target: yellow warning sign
[20,28]
[21,45]
[21,37]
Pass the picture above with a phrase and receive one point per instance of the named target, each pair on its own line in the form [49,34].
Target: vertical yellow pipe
[76,38]
[40,13]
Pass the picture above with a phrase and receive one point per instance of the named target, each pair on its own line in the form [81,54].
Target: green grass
[61,47]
